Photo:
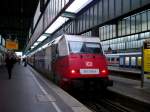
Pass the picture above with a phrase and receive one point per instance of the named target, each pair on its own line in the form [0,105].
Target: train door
[127,61]
[121,61]
[54,52]
[133,61]
[139,61]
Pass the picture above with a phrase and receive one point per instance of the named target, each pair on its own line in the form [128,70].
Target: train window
[121,61]
[117,59]
[139,61]
[133,61]
[112,59]
[127,60]
[85,47]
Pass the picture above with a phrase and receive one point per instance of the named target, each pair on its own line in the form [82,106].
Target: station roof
[15,19]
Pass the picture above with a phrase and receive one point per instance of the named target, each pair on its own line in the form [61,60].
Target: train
[126,60]
[73,61]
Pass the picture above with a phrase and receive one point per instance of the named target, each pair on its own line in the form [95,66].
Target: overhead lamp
[36,43]
[43,37]
[32,47]
[77,5]
[59,22]
[44,46]
[18,53]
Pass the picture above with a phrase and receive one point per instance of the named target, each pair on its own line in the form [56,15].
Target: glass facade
[98,13]
[130,34]
[87,34]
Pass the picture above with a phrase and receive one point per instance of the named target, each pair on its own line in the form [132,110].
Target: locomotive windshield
[85,47]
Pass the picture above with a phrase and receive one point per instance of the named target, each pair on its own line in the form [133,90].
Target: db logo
[88,64]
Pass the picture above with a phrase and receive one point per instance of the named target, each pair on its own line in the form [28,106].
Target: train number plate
[89,71]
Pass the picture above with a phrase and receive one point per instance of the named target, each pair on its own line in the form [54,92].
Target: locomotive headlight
[73,71]
[104,72]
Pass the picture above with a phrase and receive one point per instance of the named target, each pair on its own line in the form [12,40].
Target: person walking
[9,64]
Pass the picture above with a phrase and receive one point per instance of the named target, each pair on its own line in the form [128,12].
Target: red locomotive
[74,61]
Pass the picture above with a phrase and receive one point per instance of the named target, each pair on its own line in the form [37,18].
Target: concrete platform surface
[27,91]
[126,70]
[131,88]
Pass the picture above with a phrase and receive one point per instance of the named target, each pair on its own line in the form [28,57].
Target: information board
[147,60]
[11,44]
[146,55]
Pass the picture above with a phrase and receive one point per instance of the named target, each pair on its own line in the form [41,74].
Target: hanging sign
[11,44]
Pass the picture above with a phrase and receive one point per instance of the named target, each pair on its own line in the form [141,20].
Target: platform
[132,89]
[126,70]
[27,91]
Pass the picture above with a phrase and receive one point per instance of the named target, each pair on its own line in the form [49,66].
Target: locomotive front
[84,64]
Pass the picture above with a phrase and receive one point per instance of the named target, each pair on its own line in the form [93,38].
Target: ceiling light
[32,47]
[42,38]
[36,43]
[77,5]
[59,22]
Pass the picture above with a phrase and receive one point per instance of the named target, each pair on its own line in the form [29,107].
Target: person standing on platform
[25,62]
[9,64]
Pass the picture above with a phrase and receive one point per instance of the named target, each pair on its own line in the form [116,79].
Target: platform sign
[11,44]
[146,56]
[145,62]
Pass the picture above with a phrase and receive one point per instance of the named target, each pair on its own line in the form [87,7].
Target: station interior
[75,56]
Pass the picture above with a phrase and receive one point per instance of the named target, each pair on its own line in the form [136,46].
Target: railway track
[105,105]
[100,103]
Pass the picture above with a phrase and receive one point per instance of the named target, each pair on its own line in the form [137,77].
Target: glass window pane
[119,28]
[78,29]
[105,7]
[135,4]
[123,27]
[100,13]
[91,17]
[126,5]
[105,34]
[128,39]
[149,20]
[144,21]
[81,25]
[132,38]
[147,34]
[142,35]
[128,25]
[132,24]
[118,5]
[88,19]
[95,14]
[138,23]
[111,8]
[114,31]
[101,33]
[84,47]
[110,31]
[107,31]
